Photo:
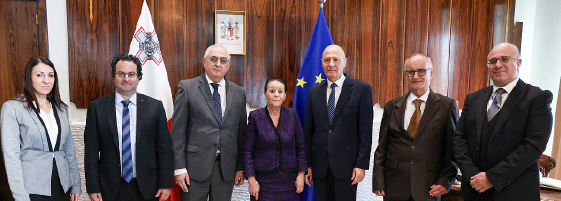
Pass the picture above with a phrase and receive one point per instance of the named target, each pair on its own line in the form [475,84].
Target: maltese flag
[146,47]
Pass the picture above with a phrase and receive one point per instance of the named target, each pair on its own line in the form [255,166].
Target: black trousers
[330,188]
[131,191]
[57,192]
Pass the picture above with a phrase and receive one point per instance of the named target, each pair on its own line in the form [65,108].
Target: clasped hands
[480,182]
[254,185]
[357,177]
[435,191]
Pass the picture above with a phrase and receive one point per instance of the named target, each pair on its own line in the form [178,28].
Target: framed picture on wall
[230,31]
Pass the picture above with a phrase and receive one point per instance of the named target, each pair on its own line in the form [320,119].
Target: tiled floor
[240,193]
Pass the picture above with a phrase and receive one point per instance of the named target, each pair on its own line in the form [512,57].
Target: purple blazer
[262,151]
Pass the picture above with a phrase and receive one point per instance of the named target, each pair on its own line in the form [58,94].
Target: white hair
[215,45]
[420,55]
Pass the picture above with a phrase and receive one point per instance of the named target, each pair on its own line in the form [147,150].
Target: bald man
[414,153]
[338,130]
[503,130]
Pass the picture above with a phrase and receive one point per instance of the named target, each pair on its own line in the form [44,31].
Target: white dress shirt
[50,123]
[339,83]
[508,88]
[132,116]
[221,91]
[410,107]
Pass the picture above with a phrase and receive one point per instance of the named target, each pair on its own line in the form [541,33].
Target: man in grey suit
[208,127]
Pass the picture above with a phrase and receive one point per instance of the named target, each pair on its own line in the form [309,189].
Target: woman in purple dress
[274,150]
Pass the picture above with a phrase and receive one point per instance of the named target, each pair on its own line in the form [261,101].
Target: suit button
[214,145]
[411,162]
[413,147]
[330,131]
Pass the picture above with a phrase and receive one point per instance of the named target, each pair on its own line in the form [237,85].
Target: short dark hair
[278,79]
[125,57]
[29,93]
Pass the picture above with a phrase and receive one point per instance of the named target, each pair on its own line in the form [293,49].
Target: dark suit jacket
[154,161]
[346,143]
[196,129]
[520,135]
[264,153]
[405,166]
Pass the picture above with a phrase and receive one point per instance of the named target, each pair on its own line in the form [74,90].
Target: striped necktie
[415,118]
[126,144]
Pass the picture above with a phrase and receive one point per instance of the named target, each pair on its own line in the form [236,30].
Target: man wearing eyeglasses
[414,153]
[207,131]
[502,132]
[338,130]
[128,153]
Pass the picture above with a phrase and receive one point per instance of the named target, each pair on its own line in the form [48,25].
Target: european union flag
[311,73]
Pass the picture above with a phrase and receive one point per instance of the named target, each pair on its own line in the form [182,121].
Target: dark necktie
[415,118]
[216,100]
[497,104]
[331,103]
[126,144]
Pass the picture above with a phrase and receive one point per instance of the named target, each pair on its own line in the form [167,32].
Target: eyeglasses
[420,72]
[503,59]
[336,60]
[121,74]
[222,60]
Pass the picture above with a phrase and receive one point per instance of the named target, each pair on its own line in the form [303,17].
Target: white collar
[339,82]
[119,98]
[508,88]
[413,97]
[221,83]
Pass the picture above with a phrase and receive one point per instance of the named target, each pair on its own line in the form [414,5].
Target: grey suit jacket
[29,163]
[196,129]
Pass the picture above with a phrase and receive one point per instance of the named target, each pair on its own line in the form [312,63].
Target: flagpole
[321,3]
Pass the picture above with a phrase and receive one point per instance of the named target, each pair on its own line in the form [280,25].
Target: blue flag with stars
[311,73]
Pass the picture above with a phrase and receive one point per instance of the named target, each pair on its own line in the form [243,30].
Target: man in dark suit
[128,153]
[414,153]
[338,130]
[208,127]
[502,132]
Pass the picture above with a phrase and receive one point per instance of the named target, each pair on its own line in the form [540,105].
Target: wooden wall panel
[260,58]
[369,53]
[170,21]
[461,26]
[392,57]
[439,44]
[481,45]
[93,40]
[287,49]
[377,37]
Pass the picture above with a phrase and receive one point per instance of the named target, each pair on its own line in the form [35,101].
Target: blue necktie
[126,144]
[331,103]
[216,100]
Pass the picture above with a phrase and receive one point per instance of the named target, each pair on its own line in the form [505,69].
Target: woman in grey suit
[36,141]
